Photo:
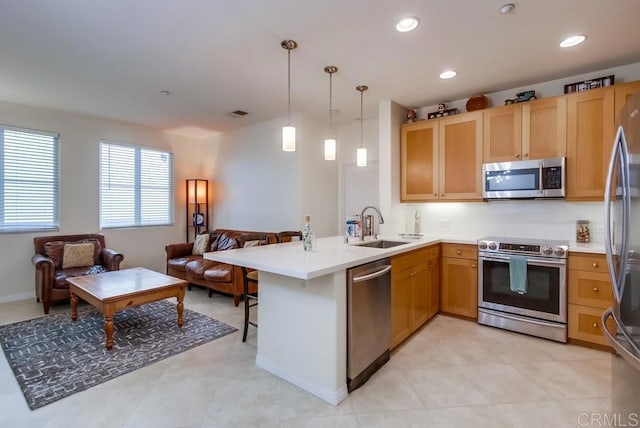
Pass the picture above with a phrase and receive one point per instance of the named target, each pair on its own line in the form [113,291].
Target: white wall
[263,188]
[79,196]
[548,219]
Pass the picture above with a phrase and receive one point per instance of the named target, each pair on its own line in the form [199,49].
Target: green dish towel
[518,274]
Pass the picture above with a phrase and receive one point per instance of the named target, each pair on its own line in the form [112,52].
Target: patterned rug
[53,357]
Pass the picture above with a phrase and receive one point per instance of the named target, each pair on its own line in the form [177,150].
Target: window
[28,180]
[136,186]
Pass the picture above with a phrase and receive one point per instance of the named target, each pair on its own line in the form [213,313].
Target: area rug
[53,357]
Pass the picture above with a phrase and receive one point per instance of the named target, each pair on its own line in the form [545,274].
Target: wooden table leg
[108,327]
[74,307]
[180,306]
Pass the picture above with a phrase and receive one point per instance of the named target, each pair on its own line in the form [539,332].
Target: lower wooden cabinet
[414,283]
[589,294]
[460,280]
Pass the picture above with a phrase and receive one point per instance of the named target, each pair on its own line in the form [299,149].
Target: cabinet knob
[441,194]
[595,325]
[595,265]
[526,155]
[435,194]
[458,252]
[473,266]
[518,156]
[595,289]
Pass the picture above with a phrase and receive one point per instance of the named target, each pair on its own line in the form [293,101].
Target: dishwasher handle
[372,274]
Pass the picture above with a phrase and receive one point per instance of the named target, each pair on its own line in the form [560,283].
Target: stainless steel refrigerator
[622,241]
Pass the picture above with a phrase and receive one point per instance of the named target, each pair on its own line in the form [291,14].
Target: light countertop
[331,254]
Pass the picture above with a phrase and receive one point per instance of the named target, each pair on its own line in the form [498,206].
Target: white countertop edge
[334,255]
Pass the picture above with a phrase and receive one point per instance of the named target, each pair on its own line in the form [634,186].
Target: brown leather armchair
[51,277]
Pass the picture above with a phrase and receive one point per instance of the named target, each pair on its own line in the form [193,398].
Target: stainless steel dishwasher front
[368,320]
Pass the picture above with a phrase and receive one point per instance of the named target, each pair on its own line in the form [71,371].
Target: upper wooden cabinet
[441,159]
[590,132]
[419,161]
[531,130]
[622,94]
[460,153]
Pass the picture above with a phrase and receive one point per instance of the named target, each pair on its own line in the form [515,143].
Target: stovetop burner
[536,247]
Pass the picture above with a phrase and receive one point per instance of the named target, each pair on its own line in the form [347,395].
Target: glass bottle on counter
[307,234]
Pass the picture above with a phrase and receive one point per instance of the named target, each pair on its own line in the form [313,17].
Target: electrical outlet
[600,229]
[444,224]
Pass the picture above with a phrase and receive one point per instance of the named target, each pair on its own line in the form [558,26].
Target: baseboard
[16,297]
[330,396]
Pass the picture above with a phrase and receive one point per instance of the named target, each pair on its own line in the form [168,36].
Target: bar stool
[250,276]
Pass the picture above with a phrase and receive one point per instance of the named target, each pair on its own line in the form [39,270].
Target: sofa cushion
[201,244]
[196,268]
[60,279]
[180,263]
[219,273]
[78,255]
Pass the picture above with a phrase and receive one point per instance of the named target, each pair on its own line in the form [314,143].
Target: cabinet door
[589,139]
[420,292]
[419,161]
[460,287]
[433,271]
[622,95]
[502,130]
[400,306]
[544,128]
[460,151]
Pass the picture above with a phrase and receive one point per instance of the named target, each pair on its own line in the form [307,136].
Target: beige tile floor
[452,373]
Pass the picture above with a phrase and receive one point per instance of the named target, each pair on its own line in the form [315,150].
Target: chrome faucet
[362,226]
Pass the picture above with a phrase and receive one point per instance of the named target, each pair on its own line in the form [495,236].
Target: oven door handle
[530,261]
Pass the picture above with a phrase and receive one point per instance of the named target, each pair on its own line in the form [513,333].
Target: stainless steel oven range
[522,286]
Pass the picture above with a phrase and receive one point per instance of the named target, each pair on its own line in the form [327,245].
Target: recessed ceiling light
[572,41]
[448,74]
[507,8]
[407,24]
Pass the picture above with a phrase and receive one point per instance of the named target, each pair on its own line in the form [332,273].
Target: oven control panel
[553,249]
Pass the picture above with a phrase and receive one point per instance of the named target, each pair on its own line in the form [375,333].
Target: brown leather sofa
[215,276]
[51,277]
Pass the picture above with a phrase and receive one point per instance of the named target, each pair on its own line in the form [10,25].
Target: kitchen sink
[382,244]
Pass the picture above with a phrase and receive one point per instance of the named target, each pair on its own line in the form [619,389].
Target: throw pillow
[200,245]
[54,250]
[78,255]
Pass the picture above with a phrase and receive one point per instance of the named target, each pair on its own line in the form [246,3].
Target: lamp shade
[361,156]
[330,149]
[288,138]
[197,191]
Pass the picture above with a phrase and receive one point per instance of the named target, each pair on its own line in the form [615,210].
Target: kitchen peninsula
[303,308]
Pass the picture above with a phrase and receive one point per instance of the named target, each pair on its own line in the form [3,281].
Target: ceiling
[111,58]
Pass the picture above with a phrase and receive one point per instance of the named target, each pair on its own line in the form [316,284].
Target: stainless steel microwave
[540,178]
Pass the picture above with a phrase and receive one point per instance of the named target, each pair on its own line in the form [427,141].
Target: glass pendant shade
[288,138]
[361,156]
[330,149]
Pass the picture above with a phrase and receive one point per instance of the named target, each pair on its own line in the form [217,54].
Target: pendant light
[289,131]
[361,153]
[330,143]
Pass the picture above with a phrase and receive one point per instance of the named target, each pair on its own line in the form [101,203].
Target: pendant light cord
[330,105]
[289,85]
[361,121]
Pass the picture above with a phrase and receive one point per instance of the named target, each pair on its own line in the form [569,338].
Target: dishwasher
[368,320]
